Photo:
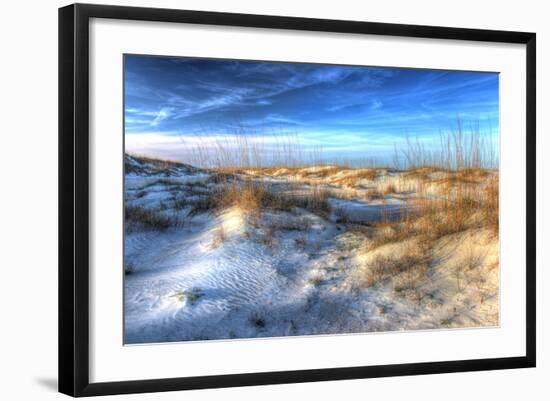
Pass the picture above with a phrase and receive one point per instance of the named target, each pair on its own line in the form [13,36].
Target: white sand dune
[223,275]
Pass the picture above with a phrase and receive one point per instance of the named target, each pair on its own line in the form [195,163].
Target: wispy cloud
[347,108]
[376,104]
[163,114]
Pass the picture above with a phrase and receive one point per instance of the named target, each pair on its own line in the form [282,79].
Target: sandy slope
[187,284]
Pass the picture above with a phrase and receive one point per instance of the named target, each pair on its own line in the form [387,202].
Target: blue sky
[349,111]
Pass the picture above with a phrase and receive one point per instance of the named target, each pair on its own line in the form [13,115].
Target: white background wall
[28,198]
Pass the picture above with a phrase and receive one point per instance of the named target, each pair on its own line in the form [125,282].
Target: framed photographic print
[249,199]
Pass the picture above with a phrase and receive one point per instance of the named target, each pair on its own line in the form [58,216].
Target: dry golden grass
[158,166]
[341,175]
[353,178]
[389,189]
[473,173]
[387,233]
[412,266]
[366,174]
[160,162]
[374,194]
[137,216]
[422,173]
[253,197]
[490,210]
[219,237]
[457,207]
[326,172]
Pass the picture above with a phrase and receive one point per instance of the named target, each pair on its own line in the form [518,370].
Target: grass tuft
[254,197]
[138,216]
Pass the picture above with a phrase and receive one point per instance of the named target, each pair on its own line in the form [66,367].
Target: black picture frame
[74,201]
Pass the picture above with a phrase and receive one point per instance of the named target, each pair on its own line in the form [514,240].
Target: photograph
[286,199]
